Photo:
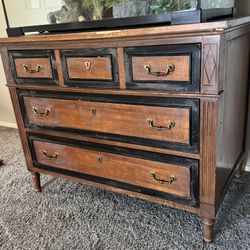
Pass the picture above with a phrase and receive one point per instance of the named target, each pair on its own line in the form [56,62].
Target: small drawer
[161,122]
[163,177]
[175,68]
[90,68]
[36,67]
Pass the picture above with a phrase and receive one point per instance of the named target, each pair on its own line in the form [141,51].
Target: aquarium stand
[173,18]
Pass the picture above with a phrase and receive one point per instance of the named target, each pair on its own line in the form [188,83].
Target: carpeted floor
[70,216]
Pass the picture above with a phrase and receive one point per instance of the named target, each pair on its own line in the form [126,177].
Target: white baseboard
[8,124]
[247,169]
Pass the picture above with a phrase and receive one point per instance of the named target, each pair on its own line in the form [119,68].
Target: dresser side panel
[232,110]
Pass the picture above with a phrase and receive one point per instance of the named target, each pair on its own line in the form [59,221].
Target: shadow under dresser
[157,113]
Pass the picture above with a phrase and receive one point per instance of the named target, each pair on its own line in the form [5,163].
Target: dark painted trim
[192,165]
[192,104]
[34,54]
[112,53]
[191,50]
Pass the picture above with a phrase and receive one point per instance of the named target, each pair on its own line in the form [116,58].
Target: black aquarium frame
[171,18]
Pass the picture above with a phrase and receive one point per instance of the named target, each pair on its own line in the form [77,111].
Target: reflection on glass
[38,12]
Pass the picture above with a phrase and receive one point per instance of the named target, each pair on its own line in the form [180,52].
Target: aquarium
[25,16]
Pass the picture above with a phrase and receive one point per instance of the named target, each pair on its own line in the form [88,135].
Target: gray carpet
[71,216]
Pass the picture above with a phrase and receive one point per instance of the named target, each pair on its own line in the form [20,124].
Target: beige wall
[37,16]
[7,117]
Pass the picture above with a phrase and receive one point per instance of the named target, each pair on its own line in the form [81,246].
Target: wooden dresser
[158,113]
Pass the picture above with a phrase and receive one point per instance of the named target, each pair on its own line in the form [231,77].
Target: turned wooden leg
[239,172]
[208,229]
[36,182]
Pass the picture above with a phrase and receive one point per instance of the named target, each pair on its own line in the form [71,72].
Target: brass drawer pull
[54,157]
[170,125]
[170,68]
[169,180]
[45,113]
[38,68]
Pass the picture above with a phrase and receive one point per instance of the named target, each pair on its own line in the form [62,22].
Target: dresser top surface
[211,28]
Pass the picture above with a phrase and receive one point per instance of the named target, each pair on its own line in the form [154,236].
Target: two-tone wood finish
[164,101]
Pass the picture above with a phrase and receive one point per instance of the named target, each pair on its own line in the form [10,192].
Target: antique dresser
[157,113]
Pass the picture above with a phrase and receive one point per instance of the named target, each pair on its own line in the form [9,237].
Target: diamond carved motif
[210,71]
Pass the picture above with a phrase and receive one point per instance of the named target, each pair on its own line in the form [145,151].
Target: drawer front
[36,67]
[164,177]
[90,68]
[175,68]
[130,120]
[94,68]
[167,123]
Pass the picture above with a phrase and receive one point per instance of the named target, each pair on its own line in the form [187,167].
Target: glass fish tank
[43,16]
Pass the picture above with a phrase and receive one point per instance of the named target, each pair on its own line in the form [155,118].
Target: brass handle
[38,68]
[169,180]
[45,113]
[170,68]
[54,157]
[170,125]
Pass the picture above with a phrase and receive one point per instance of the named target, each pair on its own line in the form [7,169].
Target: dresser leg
[36,182]
[239,171]
[208,229]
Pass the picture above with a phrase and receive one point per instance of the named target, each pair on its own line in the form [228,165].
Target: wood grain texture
[21,128]
[32,64]
[232,109]
[59,67]
[210,64]
[79,137]
[208,150]
[211,28]
[159,64]
[123,191]
[120,52]
[120,168]
[100,68]
[122,119]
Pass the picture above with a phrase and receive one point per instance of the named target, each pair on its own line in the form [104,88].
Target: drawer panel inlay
[164,176]
[36,67]
[159,176]
[170,123]
[158,123]
[97,68]
[33,68]
[158,68]
[164,67]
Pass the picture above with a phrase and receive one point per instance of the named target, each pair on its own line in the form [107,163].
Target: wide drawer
[170,67]
[159,122]
[168,175]
[95,68]
[34,66]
